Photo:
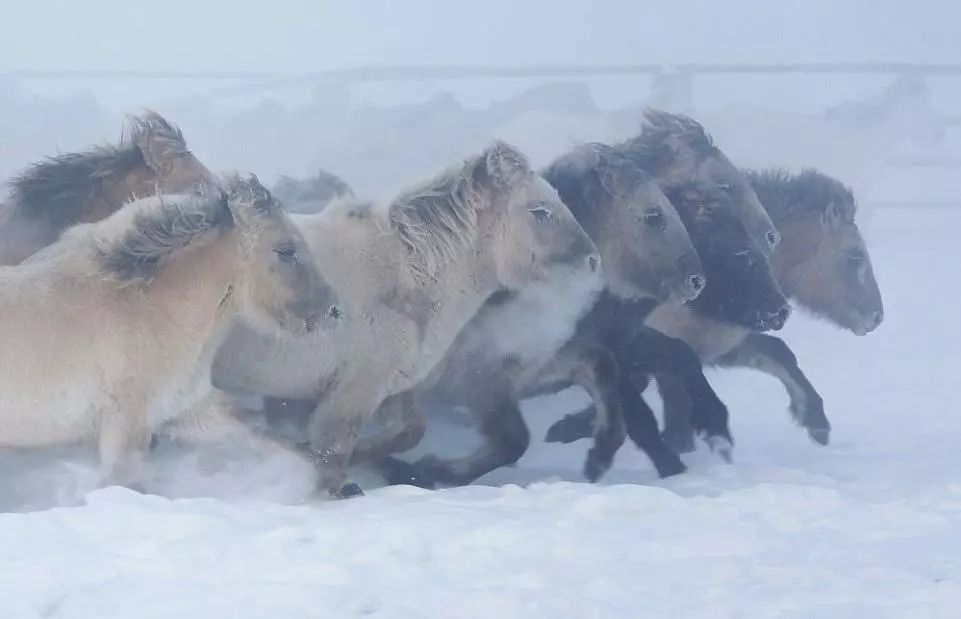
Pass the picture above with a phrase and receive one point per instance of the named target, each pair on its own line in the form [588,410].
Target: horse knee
[412,434]
[514,444]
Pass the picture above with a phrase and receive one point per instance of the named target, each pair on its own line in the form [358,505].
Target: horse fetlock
[346,491]
[397,472]
[821,436]
[679,438]
[722,446]
[598,462]
[667,464]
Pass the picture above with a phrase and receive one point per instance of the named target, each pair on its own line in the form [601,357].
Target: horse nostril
[334,312]
[773,238]
[877,318]
[696,282]
[593,262]
[781,316]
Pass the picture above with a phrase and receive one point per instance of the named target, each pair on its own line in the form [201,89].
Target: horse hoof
[595,466]
[821,436]
[721,446]
[397,472]
[347,491]
[571,428]
[669,465]
[681,443]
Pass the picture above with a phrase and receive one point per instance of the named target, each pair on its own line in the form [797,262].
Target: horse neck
[201,287]
[453,296]
[21,238]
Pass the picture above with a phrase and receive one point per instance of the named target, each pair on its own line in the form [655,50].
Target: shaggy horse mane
[56,188]
[438,219]
[790,196]
[161,226]
[661,133]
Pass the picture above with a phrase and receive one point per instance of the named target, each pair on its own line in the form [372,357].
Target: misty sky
[303,35]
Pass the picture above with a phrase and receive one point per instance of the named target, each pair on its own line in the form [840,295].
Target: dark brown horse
[822,264]
[85,187]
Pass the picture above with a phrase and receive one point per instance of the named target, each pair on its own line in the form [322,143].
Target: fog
[278,88]
[289,123]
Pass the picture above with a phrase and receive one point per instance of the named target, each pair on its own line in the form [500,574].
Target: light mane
[57,189]
[133,244]
[437,220]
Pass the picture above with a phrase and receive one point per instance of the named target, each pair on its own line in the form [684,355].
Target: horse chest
[710,339]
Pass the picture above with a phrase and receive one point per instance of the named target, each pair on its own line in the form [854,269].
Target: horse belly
[66,417]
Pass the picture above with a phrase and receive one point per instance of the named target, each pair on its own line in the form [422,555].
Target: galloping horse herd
[145,298]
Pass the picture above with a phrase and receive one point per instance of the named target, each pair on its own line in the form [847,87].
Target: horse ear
[249,201]
[157,140]
[501,165]
[832,216]
[616,178]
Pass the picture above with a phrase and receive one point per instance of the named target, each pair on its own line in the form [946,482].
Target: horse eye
[856,256]
[287,253]
[541,213]
[654,217]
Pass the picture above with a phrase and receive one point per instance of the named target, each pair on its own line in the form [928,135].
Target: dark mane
[578,175]
[163,225]
[661,133]
[57,188]
[786,196]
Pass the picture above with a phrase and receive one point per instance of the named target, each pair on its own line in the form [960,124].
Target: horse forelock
[568,171]
[153,126]
[437,220]
[810,192]
[132,245]
[661,128]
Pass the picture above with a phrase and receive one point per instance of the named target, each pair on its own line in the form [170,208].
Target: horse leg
[676,363]
[213,422]
[286,414]
[640,424]
[402,427]
[124,441]
[335,429]
[678,431]
[642,429]
[772,356]
[506,438]
[595,369]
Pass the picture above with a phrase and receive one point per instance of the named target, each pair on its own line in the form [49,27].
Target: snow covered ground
[868,527]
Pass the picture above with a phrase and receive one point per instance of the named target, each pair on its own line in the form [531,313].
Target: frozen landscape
[868,526]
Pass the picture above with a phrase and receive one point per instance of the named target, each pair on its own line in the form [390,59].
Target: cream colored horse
[85,187]
[410,275]
[108,334]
